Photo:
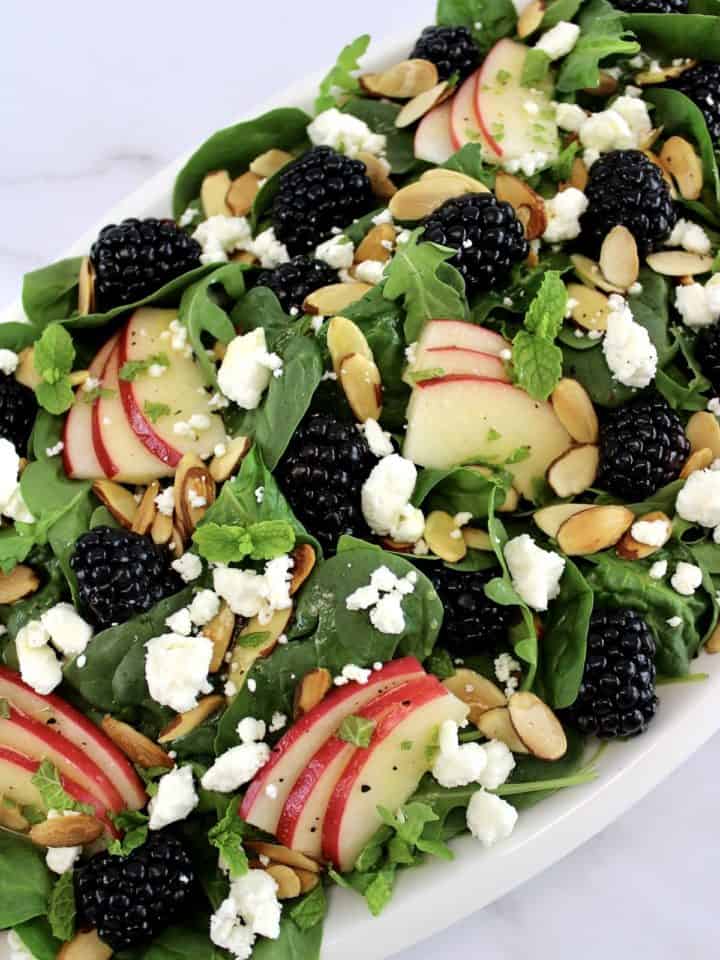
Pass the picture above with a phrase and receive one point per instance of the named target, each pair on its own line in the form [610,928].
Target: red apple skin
[78,427]
[71,724]
[40,743]
[463,115]
[107,464]
[453,329]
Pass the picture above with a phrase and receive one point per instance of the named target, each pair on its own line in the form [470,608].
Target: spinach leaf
[559,10]
[380,116]
[469,160]
[17,336]
[234,148]
[38,939]
[341,78]
[179,943]
[522,289]
[24,880]
[309,911]
[293,943]
[564,639]
[18,614]
[460,490]
[602,34]
[677,34]
[488,20]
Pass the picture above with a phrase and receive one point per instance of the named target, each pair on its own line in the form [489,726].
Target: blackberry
[321,474]
[472,623]
[136,257]
[129,900]
[292,282]
[702,85]
[488,237]
[708,355]
[120,574]
[451,49]
[320,191]
[652,6]
[642,447]
[617,694]
[18,408]
[626,188]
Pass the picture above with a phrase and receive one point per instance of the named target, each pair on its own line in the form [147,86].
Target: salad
[361,503]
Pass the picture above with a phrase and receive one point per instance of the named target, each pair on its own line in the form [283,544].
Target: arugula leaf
[134,826]
[49,785]
[428,285]
[132,369]
[311,910]
[356,730]
[537,361]
[341,78]
[227,837]
[602,34]
[156,410]
[53,358]
[228,543]
[469,160]
[488,20]
[61,907]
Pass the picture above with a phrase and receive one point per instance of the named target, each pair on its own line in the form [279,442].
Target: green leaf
[56,397]
[562,168]
[341,78]
[132,369]
[356,730]
[227,543]
[252,640]
[293,943]
[488,20]
[156,410]
[537,364]
[51,293]
[469,160]
[379,892]
[559,10]
[61,907]
[460,490]
[564,639]
[227,837]
[271,538]
[602,34]
[677,35]
[547,310]
[25,880]
[47,781]
[535,68]
[38,939]
[380,116]
[440,664]
[4,708]
[311,910]
[54,353]
[134,826]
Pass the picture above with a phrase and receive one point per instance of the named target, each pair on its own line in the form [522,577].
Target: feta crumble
[337,252]
[188,566]
[457,765]
[686,579]
[68,632]
[62,859]
[204,607]
[559,40]
[39,666]
[658,570]
[385,499]
[221,235]
[246,369]
[699,499]
[176,669]
[251,594]
[563,212]
[490,818]
[535,572]
[629,352]
[8,361]
[377,439]
[345,133]
[236,767]
[690,236]
[175,799]
[370,271]
[352,674]
[653,533]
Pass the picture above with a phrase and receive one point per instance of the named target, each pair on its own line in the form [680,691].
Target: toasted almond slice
[497,725]
[26,372]
[223,466]
[456,179]
[335,298]
[521,197]
[631,549]
[593,530]
[243,657]
[184,723]
[698,460]
[531,18]
[288,882]
[476,539]
[162,529]
[19,583]
[345,338]
[237,256]
[550,519]
[619,260]
[420,105]
[135,745]
[679,263]
[74,831]
[377,244]
[242,192]
[360,380]
[146,510]
[308,880]
[395,546]
[119,501]
[220,630]
[579,176]
[12,819]
[574,409]
[537,726]
[177,541]
[607,85]
[303,562]
[188,461]
[78,377]
[213,192]
[703,432]
[85,945]
[479,693]
[279,854]
[575,471]
[270,162]
[671,72]
[681,161]
[378,171]
[402,81]
[313,688]
[588,307]
[591,274]
[444,537]
[197,494]
[86,288]
[419,199]
[712,644]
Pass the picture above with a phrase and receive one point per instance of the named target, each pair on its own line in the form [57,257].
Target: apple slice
[293,751]
[463,335]
[433,140]
[180,389]
[459,360]
[71,724]
[515,121]
[464,122]
[387,772]
[36,741]
[459,418]
[79,458]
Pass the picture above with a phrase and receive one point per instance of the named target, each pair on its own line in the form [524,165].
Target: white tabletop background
[94,98]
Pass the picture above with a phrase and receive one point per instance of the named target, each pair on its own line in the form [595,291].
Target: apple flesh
[180,388]
[71,724]
[464,122]
[292,752]
[449,360]
[433,141]
[79,458]
[458,418]
[461,335]
[387,772]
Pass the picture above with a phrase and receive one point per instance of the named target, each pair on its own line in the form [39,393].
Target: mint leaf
[49,785]
[227,836]
[379,893]
[341,79]
[356,730]
[223,543]
[535,68]
[601,35]
[270,539]
[546,313]
[132,369]
[54,353]
[537,363]
[252,640]
[156,410]
[134,826]
[55,397]
[61,908]
[309,911]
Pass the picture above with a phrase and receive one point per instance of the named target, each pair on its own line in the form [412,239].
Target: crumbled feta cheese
[175,798]
[205,605]
[189,566]
[629,352]
[569,116]
[236,767]
[563,212]
[457,765]
[690,236]
[165,502]
[188,216]
[196,501]
[691,302]
[385,216]
[92,383]
[337,252]
[246,369]
[180,622]
[500,763]
[252,685]
[54,451]
[157,370]
[535,573]
[277,722]
[268,249]
[653,533]
[699,499]
[713,405]
[251,594]
[377,439]
[363,598]
[674,621]
[529,163]
[39,666]
[176,669]
[12,504]
[658,569]
[385,499]
[62,859]
[220,235]
[250,730]
[345,133]
[228,931]
[387,615]
[559,40]
[69,633]
[622,127]
[370,271]
[8,361]
[686,579]
[505,666]
[490,818]
[352,673]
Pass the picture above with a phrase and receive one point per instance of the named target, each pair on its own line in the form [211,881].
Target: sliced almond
[185,723]
[12,819]
[78,377]
[213,192]
[242,192]
[308,880]
[223,466]
[396,546]
[619,260]
[146,510]
[197,494]
[496,725]
[537,726]
[591,274]
[220,630]
[377,244]
[418,200]
[421,104]
[575,411]
[360,380]
[243,657]
[530,18]
[712,644]
[681,161]
[524,200]
[73,831]
[118,500]
[703,432]
[135,745]
[476,539]
[593,530]
[479,693]
[312,689]
[550,519]
[279,854]
[239,256]
[647,142]
[345,338]
[698,460]
[303,562]
[288,882]
[162,529]
[402,81]
[26,373]
[444,537]
[606,86]
[85,945]
[19,583]
[574,472]
[378,172]
[268,163]
[456,179]
[335,298]
[86,288]
[679,263]
[631,549]
[662,74]
[189,461]
[579,176]
[588,307]
[177,541]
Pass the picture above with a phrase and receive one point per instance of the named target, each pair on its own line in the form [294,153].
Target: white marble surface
[96,97]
